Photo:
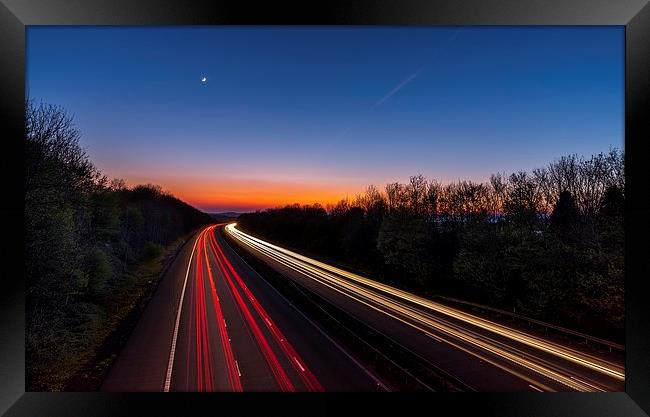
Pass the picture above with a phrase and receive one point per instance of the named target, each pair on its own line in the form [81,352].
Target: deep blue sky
[317,113]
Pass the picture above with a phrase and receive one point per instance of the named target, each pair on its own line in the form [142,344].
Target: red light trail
[206,315]
[233,372]
[306,375]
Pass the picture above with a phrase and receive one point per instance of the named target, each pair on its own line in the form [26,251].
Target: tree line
[546,243]
[82,234]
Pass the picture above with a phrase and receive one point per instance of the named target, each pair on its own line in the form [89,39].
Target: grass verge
[97,342]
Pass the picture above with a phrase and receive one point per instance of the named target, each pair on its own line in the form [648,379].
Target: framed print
[302,208]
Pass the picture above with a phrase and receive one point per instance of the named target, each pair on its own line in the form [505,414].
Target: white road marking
[299,365]
[237,365]
[170,363]
[586,383]
[434,337]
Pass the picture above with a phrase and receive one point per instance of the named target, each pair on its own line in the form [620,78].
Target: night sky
[317,114]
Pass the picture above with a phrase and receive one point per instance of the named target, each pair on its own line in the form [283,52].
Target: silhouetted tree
[521,204]
[81,233]
[565,216]
[548,243]
[613,202]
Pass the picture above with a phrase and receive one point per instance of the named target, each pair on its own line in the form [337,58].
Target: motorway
[485,355]
[214,324]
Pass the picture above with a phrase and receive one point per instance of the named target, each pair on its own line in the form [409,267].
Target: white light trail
[418,312]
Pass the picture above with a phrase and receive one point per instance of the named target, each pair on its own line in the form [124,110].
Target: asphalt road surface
[215,325]
[485,355]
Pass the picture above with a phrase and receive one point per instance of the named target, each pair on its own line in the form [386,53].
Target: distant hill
[225,217]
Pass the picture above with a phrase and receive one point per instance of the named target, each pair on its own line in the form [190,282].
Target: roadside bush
[152,250]
[100,272]
[82,235]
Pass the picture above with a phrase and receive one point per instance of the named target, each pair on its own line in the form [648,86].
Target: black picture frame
[15,15]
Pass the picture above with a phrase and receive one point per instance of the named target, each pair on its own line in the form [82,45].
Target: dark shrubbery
[152,250]
[548,244]
[81,234]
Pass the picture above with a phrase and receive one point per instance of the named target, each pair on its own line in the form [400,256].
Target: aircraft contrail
[398,87]
[405,81]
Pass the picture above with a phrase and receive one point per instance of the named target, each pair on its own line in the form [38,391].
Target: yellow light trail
[399,305]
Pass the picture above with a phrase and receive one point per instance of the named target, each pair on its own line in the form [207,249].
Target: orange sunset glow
[250,194]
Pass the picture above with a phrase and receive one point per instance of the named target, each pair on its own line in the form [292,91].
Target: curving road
[485,355]
[215,325]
